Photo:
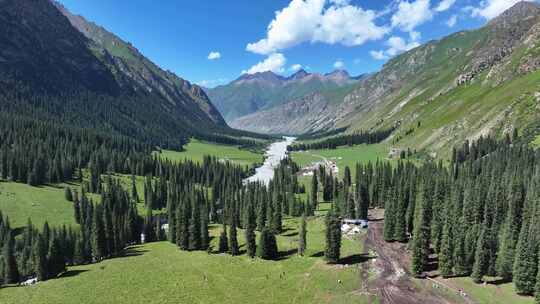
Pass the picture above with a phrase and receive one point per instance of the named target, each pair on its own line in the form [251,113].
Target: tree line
[344,140]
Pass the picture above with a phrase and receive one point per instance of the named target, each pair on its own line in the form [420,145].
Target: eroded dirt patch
[386,277]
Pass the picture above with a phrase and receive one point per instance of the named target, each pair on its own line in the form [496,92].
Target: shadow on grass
[72,273]
[452,276]
[317,254]
[283,255]
[356,259]
[132,251]
[285,231]
[290,234]
[498,281]
[17,231]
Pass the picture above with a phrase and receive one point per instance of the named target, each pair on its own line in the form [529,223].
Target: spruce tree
[421,236]
[537,285]
[526,261]
[446,262]
[302,231]
[149,226]
[205,236]
[251,245]
[68,195]
[11,272]
[276,223]
[223,240]
[347,180]
[233,239]
[333,238]
[261,215]
[267,248]
[314,190]
[56,263]
[195,228]
[389,216]
[40,259]
[510,235]
[98,235]
[481,257]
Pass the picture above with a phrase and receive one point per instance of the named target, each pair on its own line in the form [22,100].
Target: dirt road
[386,276]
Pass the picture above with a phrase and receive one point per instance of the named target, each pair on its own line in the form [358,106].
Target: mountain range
[260,91]
[59,67]
[471,83]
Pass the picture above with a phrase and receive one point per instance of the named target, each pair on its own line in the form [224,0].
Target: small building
[345,228]
[29,282]
[165,227]
[357,222]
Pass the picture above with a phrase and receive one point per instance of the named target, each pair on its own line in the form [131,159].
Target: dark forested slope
[59,68]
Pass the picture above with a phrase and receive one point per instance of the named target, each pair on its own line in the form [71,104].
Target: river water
[274,154]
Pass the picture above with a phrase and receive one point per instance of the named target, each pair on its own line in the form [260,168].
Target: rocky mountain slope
[60,67]
[310,113]
[262,91]
[471,83]
[468,84]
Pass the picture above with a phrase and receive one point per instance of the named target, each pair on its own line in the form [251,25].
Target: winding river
[274,154]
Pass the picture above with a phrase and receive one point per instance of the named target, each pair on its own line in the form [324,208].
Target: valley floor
[372,271]
[160,273]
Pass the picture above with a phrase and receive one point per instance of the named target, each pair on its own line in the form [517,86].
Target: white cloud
[295,67]
[348,25]
[452,21]
[274,62]
[333,21]
[489,9]
[339,65]
[378,55]
[396,45]
[415,36]
[411,14]
[444,5]
[210,83]
[214,55]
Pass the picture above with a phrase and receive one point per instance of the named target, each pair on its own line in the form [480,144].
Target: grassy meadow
[343,156]
[48,203]
[489,293]
[196,150]
[160,273]
[44,203]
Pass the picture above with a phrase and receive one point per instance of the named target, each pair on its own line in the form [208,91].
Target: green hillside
[468,84]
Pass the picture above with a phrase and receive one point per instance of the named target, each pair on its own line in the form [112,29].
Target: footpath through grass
[196,150]
[160,273]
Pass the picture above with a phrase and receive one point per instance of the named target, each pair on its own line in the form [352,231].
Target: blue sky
[211,42]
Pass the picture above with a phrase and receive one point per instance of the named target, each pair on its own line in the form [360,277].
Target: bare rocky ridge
[306,114]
